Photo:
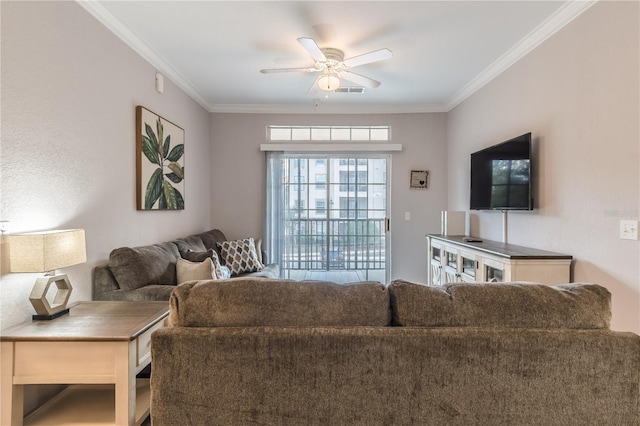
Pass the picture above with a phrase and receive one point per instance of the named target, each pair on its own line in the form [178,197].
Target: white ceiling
[443,51]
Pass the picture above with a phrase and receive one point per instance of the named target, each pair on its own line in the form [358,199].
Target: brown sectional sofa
[279,352]
[149,272]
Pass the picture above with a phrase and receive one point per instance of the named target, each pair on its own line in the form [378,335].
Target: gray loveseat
[149,272]
[278,352]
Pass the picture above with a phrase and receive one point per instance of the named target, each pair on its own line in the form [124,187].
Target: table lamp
[46,252]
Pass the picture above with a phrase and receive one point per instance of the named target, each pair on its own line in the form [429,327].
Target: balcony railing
[334,244]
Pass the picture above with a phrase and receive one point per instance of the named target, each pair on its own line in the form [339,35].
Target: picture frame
[419,179]
[159,162]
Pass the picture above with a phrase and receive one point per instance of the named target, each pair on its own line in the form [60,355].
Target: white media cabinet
[452,259]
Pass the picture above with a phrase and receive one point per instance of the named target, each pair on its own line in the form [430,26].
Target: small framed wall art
[159,162]
[419,179]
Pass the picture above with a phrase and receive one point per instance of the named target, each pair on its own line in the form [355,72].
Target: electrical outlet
[629,229]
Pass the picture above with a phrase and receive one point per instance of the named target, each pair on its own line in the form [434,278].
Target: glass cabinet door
[436,253]
[436,274]
[493,270]
[492,273]
[468,267]
[452,260]
[451,267]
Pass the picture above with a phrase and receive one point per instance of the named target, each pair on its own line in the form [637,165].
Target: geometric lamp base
[52,316]
[48,308]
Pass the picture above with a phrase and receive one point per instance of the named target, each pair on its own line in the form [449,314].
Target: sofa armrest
[103,283]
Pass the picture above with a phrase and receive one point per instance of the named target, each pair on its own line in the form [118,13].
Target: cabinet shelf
[88,405]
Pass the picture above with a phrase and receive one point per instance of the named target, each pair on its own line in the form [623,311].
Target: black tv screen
[501,176]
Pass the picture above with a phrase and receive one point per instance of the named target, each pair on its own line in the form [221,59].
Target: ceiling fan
[331,63]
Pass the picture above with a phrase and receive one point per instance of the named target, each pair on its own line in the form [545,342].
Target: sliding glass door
[331,214]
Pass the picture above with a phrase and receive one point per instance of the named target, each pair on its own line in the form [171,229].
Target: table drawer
[143,344]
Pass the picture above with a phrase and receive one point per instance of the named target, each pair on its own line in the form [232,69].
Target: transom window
[328,133]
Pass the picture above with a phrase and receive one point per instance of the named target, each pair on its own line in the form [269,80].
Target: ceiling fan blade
[274,70]
[314,89]
[312,47]
[367,58]
[360,79]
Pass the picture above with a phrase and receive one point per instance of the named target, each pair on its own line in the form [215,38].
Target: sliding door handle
[387,227]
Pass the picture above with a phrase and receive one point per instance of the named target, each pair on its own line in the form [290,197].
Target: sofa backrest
[190,243]
[210,240]
[136,267]
[504,305]
[249,302]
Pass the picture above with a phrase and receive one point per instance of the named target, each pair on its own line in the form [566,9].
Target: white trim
[141,48]
[331,147]
[564,15]
[546,29]
[327,109]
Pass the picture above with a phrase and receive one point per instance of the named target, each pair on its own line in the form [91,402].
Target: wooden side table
[98,348]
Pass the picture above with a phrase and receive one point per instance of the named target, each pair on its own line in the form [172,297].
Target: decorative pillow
[199,256]
[240,256]
[190,271]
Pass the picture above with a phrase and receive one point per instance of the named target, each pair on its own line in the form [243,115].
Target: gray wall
[238,171]
[69,92]
[70,87]
[578,94]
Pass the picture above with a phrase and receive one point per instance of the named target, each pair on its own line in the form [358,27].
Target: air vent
[358,89]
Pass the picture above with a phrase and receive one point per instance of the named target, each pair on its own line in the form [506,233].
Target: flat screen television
[501,176]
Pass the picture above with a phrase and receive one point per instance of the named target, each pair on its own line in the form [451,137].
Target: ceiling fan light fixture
[328,82]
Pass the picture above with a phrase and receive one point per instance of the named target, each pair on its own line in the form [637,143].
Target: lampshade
[328,82]
[46,251]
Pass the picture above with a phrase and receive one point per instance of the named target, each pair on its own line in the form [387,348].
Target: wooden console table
[455,259]
[98,349]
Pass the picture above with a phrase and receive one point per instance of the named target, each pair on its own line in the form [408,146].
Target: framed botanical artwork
[419,179]
[159,162]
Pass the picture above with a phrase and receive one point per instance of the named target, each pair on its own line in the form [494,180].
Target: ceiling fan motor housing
[333,54]
[333,63]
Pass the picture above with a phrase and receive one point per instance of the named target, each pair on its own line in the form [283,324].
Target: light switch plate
[629,229]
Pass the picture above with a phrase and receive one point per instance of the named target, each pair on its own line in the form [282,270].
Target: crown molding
[140,47]
[550,26]
[542,32]
[325,109]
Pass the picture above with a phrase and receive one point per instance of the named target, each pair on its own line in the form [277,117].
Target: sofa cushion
[251,302]
[199,256]
[508,305]
[271,270]
[138,266]
[191,271]
[151,292]
[191,243]
[225,273]
[240,256]
[210,239]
